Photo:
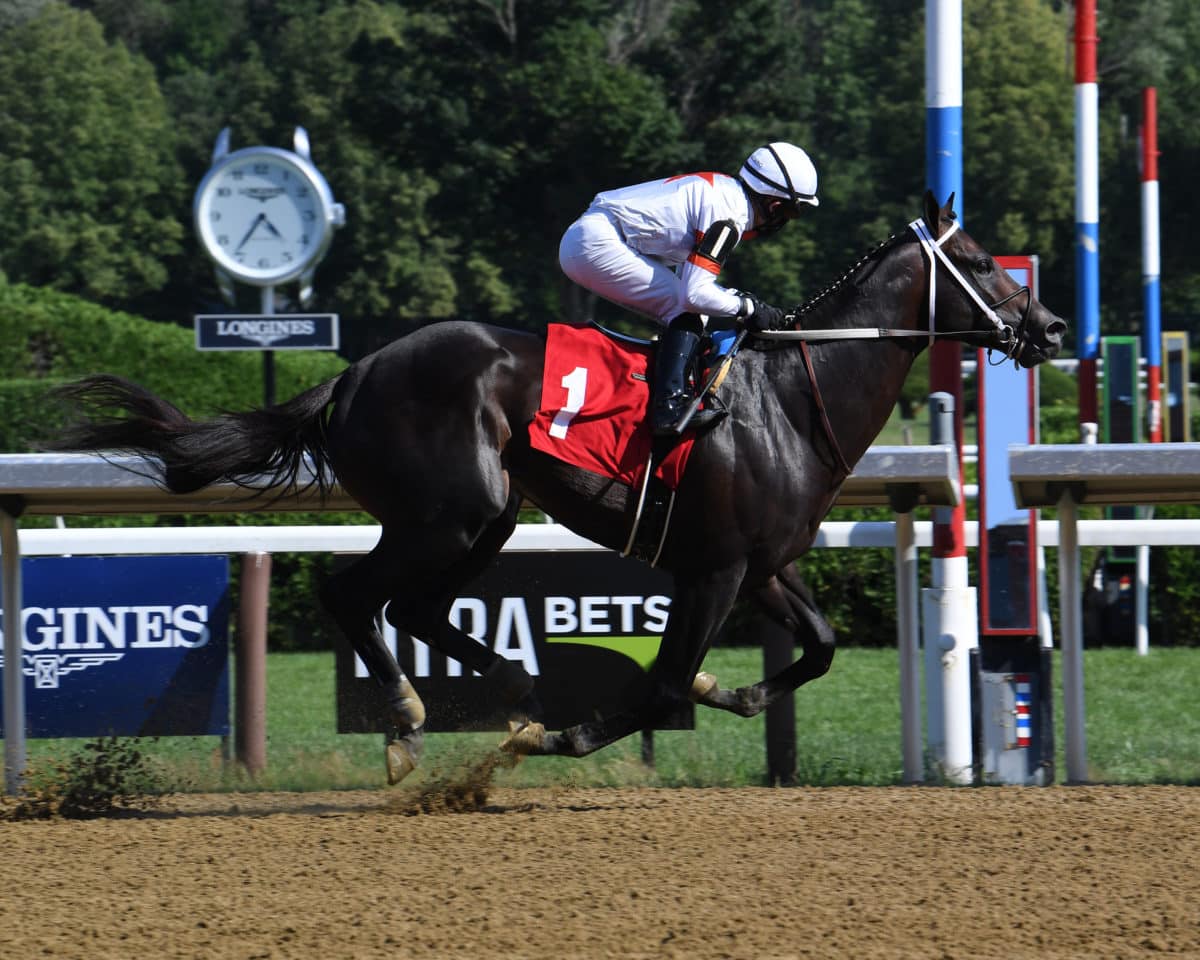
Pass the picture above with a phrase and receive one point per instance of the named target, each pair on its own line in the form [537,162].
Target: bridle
[1012,339]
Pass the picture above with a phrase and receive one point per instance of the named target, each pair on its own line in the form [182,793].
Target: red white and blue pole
[1087,213]
[1152,327]
[943,168]
[951,627]
[1151,334]
[1087,319]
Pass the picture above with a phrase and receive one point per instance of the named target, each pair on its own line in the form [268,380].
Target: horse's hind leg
[786,600]
[353,597]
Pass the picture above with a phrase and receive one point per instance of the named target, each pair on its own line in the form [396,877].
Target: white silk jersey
[656,225]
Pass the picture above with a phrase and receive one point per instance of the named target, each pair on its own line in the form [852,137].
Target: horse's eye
[983,266]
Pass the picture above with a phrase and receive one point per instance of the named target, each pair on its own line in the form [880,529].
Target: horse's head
[976,300]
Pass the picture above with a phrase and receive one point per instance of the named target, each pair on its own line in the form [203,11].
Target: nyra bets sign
[586,625]
[125,646]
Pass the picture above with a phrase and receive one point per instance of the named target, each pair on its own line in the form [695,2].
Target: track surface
[1043,873]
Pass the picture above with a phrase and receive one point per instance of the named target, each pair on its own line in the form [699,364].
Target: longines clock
[264,215]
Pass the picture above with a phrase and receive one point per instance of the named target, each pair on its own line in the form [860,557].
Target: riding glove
[762,316]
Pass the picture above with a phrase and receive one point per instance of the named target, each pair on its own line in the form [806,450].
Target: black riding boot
[671,395]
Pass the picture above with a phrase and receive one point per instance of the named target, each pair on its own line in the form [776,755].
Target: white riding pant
[594,254]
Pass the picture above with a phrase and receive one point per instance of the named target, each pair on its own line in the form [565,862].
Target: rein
[820,404]
[932,249]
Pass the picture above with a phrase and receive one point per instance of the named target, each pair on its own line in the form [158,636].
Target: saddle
[593,415]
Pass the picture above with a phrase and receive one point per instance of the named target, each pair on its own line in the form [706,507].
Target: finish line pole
[951,627]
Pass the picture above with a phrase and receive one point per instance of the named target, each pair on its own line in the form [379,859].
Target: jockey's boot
[671,394]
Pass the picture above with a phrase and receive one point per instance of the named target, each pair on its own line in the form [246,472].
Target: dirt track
[1087,872]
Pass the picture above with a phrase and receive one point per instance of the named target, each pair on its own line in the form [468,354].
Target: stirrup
[705,418]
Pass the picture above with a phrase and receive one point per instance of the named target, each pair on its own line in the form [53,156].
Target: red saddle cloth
[593,408]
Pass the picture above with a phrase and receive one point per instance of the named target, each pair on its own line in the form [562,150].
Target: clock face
[263,215]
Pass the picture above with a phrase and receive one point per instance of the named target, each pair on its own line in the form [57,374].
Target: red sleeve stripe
[704,263]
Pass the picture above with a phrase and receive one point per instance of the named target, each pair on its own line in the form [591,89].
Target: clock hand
[271,226]
[254,224]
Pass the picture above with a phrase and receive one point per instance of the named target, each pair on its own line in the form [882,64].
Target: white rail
[134,541]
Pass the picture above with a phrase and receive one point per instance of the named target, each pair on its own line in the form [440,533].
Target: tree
[87,170]
[1018,137]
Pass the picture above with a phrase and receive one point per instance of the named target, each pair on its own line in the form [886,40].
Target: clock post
[265,217]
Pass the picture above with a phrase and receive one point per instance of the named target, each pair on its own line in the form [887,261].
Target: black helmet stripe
[791,191]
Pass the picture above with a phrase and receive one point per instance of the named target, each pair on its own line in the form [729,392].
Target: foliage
[464,136]
[1174,616]
[87,168]
[105,776]
[1017,97]
[46,337]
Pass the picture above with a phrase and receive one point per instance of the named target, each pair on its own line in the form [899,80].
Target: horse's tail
[265,449]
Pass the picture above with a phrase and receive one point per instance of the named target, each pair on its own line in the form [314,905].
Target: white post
[1045,627]
[1142,601]
[908,629]
[14,675]
[1141,595]
[1071,615]
[951,633]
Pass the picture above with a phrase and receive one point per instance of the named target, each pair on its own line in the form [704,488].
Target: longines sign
[251,331]
[586,626]
[125,646]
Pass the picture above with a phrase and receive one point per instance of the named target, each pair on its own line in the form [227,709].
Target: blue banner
[125,646]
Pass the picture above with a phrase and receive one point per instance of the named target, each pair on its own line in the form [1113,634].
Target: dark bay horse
[430,435]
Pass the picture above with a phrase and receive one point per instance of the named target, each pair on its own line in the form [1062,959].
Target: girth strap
[820,402]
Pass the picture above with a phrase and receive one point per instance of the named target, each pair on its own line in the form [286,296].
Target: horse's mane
[872,255]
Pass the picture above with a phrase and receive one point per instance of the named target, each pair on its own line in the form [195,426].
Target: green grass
[1142,727]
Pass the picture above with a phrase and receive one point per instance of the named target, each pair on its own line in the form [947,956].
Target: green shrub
[47,337]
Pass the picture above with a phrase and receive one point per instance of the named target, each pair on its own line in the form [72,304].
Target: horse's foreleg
[698,609]
[788,602]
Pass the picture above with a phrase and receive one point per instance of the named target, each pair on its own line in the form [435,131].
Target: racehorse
[430,436]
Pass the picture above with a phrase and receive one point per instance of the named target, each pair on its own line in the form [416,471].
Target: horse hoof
[524,739]
[702,686]
[402,756]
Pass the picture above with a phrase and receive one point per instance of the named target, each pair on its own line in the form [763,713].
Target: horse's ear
[933,214]
[948,209]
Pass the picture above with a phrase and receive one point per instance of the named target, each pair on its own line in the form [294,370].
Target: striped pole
[1087,212]
[1087,318]
[1150,261]
[951,627]
[1151,335]
[943,167]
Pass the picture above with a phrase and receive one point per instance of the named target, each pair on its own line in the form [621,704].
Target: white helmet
[781,170]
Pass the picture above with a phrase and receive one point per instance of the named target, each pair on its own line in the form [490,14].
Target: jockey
[658,247]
